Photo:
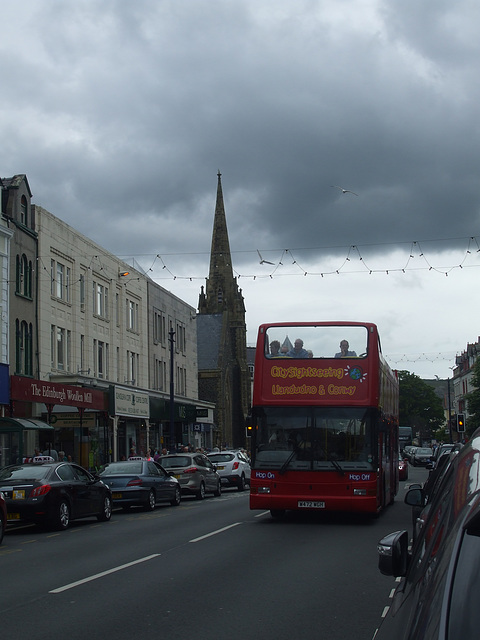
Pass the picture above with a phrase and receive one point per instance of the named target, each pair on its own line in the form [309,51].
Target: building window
[181,381]
[180,337]
[159,327]
[100,300]
[60,348]
[23,276]
[23,348]
[117,309]
[24,211]
[60,280]
[82,292]
[160,375]
[132,315]
[132,368]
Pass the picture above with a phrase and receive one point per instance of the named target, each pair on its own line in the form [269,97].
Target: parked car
[402,467]
[3,516]
[53,493]
[438,597]
[140,483]
[233,468]
[195,472]
[439,451]
[408,452]
[421,456]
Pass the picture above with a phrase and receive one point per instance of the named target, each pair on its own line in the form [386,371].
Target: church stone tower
[223,375]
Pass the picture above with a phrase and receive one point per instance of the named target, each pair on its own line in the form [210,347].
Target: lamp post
[449,413]
[171,339]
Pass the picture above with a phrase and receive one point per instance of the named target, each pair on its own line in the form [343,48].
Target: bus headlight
[263,490]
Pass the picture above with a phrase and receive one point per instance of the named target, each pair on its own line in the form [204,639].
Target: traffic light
[460,422]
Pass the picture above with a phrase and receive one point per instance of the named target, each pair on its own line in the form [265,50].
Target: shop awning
[22,424]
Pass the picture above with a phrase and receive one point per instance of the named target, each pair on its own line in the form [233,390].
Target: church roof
[209,334]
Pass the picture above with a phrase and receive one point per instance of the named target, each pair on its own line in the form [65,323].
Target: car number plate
[13,516]
[18,494]
[177,476]
[219,468]
[310,504]
[117,496]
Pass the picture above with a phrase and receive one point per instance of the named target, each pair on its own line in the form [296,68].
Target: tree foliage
[420,407]
[473,401]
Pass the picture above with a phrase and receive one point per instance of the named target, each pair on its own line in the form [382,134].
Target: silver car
[233,467]
[195,473]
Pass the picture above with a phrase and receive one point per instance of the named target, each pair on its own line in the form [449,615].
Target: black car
[438,597]
[53,493]
[3,516]
[140,483]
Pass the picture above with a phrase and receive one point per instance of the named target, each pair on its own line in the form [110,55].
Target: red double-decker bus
[324,423]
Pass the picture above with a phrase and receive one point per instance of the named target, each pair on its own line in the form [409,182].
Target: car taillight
[190,470]
[40,491]
[135,482]
[235,465]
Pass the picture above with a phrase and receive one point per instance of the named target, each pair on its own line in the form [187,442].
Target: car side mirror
[393,554]
[415,497]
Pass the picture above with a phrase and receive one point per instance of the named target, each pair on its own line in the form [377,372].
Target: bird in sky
[262,261]
[343,190]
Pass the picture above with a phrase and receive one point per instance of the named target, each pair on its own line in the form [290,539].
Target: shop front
[19,438]
[130,412]
[75,417]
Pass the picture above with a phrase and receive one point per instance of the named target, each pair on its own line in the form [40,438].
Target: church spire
[221,287]
[220,258]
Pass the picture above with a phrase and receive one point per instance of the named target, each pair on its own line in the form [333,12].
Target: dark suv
[438,597]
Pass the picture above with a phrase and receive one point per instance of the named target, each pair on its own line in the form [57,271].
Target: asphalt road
[208,569]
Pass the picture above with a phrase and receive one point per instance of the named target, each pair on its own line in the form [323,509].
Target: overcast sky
[121,113]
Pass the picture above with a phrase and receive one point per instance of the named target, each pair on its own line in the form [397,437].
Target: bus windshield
[316,341]
[314,438]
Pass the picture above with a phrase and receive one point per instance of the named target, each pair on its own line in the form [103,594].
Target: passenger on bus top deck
[274,349]
[344,352]
[298,351]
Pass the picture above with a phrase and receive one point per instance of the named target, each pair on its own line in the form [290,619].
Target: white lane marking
[264,513]
[385,611]
[214,533]
[392,593]
[102,574]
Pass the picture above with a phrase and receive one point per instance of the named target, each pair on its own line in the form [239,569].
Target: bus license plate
[310,504]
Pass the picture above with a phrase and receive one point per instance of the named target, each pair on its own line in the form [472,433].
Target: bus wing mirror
[393,554]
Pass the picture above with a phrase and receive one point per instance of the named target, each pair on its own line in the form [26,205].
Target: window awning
[22,424]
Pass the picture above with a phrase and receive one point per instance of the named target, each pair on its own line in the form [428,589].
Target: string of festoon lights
[288,262]
[353,262]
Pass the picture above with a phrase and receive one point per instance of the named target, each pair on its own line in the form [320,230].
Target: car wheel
[152,500]
[241,483]
[177,498]
[61,519]
[218,491]
[106,512]
[201,492]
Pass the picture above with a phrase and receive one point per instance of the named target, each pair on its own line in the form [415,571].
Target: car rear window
[222,457]
[25,473]
[175,461]
[116,468]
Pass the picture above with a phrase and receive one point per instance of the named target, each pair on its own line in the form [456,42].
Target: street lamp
[171,339]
